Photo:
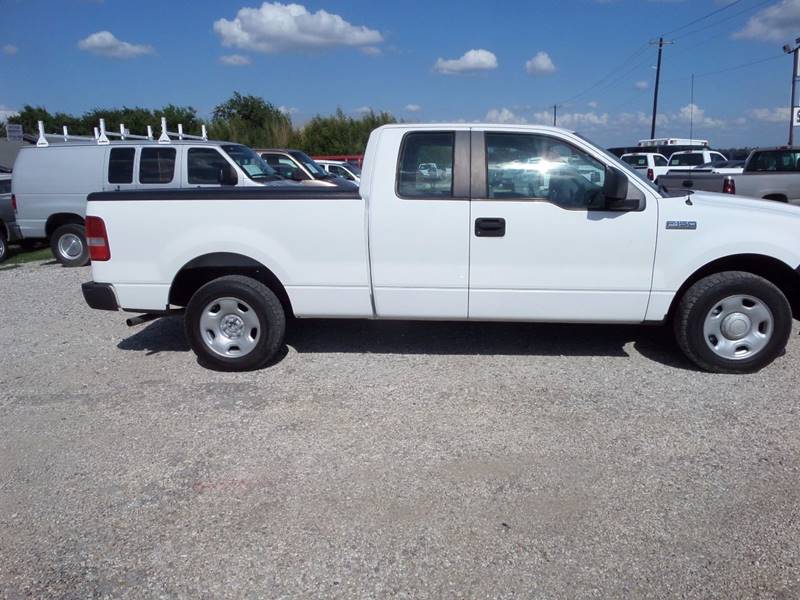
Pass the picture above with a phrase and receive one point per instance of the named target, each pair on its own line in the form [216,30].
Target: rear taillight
[650,175]
[729,186]
[97,239]
[14,202]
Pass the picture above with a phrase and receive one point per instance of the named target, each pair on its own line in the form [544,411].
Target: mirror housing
[298,175]
[615,191]
[228,176]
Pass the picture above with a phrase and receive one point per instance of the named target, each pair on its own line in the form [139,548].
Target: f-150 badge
[682,225]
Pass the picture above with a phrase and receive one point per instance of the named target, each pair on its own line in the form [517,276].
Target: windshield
[313,168]
[251,163]
[686,160]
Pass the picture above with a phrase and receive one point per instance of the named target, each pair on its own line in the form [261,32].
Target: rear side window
[120,165]
[636,160]
[775,160]
[660,161]
[426,165]
[157,165]
[204,166]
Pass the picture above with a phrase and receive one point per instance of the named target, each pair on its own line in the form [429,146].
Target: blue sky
[423,61]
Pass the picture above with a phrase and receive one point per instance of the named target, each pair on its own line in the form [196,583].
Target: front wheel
[733,322]
[68,244]
[235,323]
[3,248]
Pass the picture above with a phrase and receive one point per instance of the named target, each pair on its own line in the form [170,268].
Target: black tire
[700,299]
[3,247]
[254,294]
[72,254]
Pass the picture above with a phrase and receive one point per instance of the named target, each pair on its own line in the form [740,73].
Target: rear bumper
[13,233]
[99,296]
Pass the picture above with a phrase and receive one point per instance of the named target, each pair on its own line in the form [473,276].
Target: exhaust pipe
[147,317]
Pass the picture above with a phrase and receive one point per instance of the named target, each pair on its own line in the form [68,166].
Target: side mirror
[615,191]
[298,175]
[227,176]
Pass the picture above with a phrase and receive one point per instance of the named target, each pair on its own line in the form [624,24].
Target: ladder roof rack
[102,136]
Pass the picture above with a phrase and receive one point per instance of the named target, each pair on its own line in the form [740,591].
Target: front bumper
[99,296]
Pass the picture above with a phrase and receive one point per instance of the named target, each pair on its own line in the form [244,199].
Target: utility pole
[555,115]
[789,50]
[661,44]
[691,111]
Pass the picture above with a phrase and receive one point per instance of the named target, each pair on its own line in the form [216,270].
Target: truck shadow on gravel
[443,338]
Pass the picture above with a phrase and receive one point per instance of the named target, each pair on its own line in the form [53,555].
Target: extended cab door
[541,245]
[419,223]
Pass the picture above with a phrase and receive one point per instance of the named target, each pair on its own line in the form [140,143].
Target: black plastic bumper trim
[99,296]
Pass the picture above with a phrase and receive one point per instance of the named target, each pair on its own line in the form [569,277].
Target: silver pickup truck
[770,173]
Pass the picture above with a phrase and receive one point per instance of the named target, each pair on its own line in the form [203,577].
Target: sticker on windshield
[253,169]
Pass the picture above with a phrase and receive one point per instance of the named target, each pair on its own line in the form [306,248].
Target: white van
[50,182]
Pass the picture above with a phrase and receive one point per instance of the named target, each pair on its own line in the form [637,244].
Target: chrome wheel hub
[70,246]
[738,327]
[230,327]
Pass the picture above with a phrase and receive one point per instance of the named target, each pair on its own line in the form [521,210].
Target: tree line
[245,119]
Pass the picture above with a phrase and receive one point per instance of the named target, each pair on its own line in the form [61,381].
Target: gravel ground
[386,459]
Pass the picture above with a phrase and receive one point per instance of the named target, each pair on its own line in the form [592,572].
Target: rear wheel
[68,244]
[733,322]
[235,323]
[3,248]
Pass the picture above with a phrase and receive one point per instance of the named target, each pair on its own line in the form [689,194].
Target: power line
[703,18]
[728,69]
[717,22]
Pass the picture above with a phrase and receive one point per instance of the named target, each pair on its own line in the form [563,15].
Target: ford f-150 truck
[526,223]
[771,174]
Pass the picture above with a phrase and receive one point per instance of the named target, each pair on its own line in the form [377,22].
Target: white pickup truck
[529,224]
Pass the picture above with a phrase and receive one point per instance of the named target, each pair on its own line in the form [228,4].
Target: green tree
[252,121]
[341,134]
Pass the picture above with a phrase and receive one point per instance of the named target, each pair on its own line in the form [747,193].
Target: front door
[541,246]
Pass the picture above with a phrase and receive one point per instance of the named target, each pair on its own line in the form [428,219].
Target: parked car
[688,159]
[769,173]
[648,164]
[51,183]
[429,170]
[298,166]
[603,248]
[342,169]
[9,231]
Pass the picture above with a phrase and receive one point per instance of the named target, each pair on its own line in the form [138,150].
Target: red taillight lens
[97,239]
[729,186]
[650,174]
[14,202]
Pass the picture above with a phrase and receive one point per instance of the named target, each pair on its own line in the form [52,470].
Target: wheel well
[57,220]
[771,269]
[199,271]
[776,197]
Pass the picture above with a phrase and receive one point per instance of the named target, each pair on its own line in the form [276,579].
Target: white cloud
[288,110]
[413,107]
[641,85]
[541,64]
[105,43]
[504,115]
[692,112]
[371,50]
[277,27]
[234,60]
[592,104]
[472,61]
[363,110]
[6,112]
[573,120]
[770,115]
[777,23]
[10,49]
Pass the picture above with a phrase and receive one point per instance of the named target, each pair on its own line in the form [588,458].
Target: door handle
[490,227]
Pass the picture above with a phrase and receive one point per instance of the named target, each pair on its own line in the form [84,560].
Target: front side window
[426,165]
[157,165]
[341,172]
[204,166]
[120,165]
[659,161]
[540,167]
